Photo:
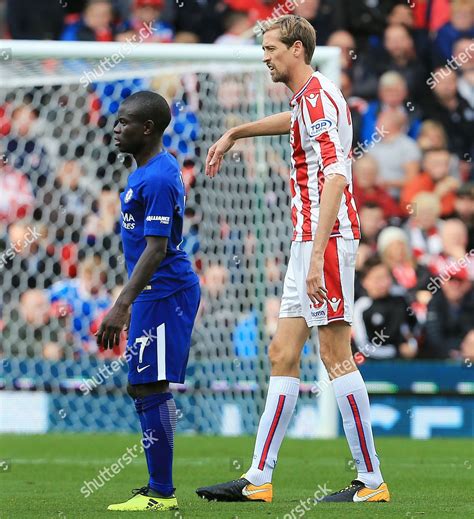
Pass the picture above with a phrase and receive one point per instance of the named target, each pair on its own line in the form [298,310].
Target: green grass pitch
[427,479]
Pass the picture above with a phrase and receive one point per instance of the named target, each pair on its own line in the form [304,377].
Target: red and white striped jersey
[321,140]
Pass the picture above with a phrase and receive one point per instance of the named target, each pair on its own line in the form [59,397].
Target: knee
[281,357]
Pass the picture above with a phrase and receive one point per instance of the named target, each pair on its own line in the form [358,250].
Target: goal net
[61,263]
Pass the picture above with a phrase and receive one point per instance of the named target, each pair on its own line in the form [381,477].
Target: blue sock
[157,415]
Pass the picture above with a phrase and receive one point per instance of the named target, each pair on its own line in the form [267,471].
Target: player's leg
[284,353]
[283,389]
[156,410]
[158,350]
[350,390]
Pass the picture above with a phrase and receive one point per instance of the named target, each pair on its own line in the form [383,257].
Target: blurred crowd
[408,76]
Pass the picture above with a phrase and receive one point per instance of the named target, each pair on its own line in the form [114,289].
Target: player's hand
[216,153]
[112,325]
[317,293]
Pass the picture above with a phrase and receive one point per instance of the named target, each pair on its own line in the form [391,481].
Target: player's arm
[331,196]
[118,316]
[321,123]
[278,124]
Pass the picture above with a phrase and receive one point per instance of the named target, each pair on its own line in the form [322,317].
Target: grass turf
[427,479]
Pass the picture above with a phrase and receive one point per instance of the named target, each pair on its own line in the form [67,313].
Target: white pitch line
[101,461]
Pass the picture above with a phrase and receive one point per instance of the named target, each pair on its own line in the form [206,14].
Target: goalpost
[238,225]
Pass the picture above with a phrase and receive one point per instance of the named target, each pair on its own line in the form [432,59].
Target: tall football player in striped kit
[319,282]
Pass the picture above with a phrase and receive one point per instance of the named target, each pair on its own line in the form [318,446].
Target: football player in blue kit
[159,303]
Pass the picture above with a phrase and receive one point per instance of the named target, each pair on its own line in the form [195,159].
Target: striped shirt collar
[300,92]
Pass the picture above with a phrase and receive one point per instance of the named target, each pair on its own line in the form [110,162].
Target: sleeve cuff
[335,168]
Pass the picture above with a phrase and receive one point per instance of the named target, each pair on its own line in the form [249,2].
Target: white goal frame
[179,58]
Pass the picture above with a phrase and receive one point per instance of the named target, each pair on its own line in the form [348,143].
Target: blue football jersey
[152,204]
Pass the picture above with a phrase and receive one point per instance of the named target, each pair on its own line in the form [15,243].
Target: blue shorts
[159,337]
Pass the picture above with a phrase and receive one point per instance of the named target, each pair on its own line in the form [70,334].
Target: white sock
[281,401]
[353,401]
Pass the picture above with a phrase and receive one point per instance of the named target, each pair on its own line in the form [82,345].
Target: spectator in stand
[408,276]
[449,317]
[32,329]
[258,9]
[32,261]
[197,21]
[357,107]
[16,201]
[454,249]
[34,19]
[365,19]
[403,14]
[355,63]
[432,136]
[25,149]
[397,154]
[103,221]
[69,195]
[146,14]
[384,329]
[461,25]
[85,297]
[95,24]
[424,226]
[215,280]
[399,55]
[464,210]
[435,179]
[392,95]
[451,110]
[238,29]
[321,14]
[371,223]
[464,54]
[66,204]
[366,187]
[430,16]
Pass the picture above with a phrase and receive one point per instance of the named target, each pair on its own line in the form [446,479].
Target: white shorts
[338,279]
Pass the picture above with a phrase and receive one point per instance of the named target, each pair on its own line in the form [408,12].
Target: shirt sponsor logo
[128,221]
[128,196]
[319,127]
[161,219]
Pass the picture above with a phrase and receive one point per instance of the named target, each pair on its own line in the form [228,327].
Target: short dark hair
[151,106]
[370,263]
